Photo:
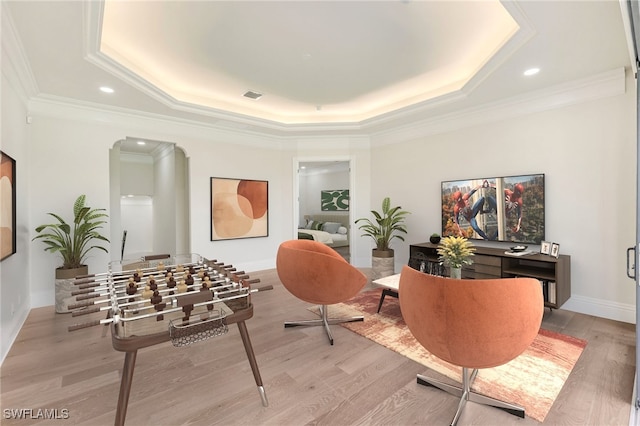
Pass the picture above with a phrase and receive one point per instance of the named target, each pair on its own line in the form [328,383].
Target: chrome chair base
[324,320]
[466,394]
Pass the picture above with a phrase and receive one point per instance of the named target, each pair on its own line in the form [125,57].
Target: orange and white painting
[239,208]
[7,206]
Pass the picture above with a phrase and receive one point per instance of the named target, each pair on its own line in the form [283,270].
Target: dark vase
[434,239]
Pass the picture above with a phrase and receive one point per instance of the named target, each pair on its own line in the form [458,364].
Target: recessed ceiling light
[531,71]
[106,89]
[142,143]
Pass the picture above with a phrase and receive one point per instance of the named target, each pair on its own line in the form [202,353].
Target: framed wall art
[7,206]
[333,200]
[239,208]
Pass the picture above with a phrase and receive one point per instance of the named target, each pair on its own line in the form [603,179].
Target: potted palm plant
[455,252]
[73,241]
[387,225]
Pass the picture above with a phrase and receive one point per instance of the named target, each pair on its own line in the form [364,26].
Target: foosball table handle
[85,311]
[84,325]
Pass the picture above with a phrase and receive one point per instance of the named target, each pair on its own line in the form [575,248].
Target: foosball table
[151,300]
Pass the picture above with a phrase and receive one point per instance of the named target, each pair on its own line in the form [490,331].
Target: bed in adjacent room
[332,230]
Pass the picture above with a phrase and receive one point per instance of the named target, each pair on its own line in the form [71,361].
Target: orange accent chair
[317,274]
[472,324]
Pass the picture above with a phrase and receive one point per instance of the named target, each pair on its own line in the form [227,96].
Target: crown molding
[15,65]
[606,84]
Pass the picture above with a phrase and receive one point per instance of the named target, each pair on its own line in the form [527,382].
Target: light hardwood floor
[308,382]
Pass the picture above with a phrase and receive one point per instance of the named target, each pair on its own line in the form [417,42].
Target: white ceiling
[339,65]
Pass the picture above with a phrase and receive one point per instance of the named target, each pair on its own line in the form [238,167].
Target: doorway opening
[324,194]
[150,198]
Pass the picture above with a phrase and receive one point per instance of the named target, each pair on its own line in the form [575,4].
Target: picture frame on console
[502,209]
[555,250]
[545,247]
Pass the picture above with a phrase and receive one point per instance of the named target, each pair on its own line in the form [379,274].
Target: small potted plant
[434,238]
[389,224]
[454,252]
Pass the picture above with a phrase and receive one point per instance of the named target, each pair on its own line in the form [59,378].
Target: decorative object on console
[388,225]
[470,208]
[545,247]
[8,203]
[555,250]
[334,200]
[239,208]
[456,252]
[434,238]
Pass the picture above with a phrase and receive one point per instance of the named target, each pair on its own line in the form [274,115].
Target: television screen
[507,208]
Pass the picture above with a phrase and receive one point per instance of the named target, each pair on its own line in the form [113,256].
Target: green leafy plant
[455,251]
[74,243]
[435,234]
[388,225]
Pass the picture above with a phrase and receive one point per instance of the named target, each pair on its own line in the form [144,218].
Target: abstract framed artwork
[239,208]
[334,200]
[7,206]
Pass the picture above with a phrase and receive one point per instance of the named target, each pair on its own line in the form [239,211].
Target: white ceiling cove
[315,63]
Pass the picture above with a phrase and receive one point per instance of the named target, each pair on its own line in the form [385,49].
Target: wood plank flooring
[307,381]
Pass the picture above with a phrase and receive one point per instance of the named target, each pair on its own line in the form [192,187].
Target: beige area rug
[533,380]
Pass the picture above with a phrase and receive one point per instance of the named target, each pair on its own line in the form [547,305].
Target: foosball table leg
[125,387]
[252,361]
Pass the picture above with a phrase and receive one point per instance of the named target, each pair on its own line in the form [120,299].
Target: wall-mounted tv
[473,209]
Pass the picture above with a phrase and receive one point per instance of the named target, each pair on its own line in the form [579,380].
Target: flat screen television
[509,208]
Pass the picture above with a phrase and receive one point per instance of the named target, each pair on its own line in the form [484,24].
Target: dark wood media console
[490,262]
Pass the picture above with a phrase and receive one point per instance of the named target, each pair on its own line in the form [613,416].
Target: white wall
[15,292]
[136,174]
[588,155]
[164,201]
[137,219]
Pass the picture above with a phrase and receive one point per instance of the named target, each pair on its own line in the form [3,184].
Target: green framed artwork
[333,200]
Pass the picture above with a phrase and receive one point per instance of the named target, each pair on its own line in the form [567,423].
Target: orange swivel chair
[472,324]
[317,274]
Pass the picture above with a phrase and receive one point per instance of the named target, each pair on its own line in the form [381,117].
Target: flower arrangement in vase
[454,252]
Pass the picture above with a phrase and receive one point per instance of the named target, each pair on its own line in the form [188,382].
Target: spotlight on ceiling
[252,95]
[106,89]
[531,71]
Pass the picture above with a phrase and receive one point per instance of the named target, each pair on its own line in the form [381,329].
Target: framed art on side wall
[334,200]
[239,208]
[7,206]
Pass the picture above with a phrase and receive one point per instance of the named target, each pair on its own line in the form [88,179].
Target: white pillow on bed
[331,227]
[342,230]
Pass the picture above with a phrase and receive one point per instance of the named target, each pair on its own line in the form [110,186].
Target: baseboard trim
[601,308]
